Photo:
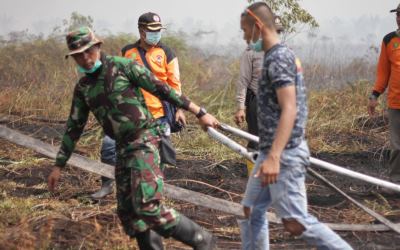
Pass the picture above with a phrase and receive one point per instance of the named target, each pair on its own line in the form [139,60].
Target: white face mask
[153,38]
[95,67]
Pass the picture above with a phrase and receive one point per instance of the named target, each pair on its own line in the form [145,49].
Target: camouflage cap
[80,40]
[397,9]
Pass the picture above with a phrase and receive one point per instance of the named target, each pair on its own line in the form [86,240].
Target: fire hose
[319,163]
[252,156]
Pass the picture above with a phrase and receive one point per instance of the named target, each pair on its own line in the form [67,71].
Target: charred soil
[32,218]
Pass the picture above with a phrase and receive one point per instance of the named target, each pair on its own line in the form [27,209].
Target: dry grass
[335,121]
[36,81]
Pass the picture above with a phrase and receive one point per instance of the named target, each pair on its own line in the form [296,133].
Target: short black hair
[263,12]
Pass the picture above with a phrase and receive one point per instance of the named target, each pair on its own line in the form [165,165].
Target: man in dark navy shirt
[278,178]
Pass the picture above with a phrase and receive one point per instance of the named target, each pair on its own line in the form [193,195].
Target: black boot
[149,240]
[190,233]
[106,188]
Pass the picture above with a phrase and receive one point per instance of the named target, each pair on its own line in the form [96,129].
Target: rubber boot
[106,188]
[190,233]
[149,240]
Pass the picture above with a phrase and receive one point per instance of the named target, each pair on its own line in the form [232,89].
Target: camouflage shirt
[280,69]
[113,95]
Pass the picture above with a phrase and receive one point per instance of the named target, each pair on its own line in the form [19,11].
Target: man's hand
[371,106]
[180,117]
[269,170]
[208,120]
[240,116]
[52,180]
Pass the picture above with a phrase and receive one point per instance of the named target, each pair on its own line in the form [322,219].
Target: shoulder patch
[168,52]
[129,47]
[389,37]
[298,65]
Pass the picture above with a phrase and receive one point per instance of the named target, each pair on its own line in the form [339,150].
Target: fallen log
[108,171]
[171,191]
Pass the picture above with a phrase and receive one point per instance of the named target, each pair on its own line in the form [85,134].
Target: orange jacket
[163,64]
[388,71]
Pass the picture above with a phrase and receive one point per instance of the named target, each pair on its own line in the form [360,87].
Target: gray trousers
[394,133]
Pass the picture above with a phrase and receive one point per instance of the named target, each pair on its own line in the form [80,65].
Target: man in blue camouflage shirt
[278,179]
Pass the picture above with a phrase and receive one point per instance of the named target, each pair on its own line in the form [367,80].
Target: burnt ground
[32,218]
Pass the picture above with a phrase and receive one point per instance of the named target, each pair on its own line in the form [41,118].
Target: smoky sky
[214,21]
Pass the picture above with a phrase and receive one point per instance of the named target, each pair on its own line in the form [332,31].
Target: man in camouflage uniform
[163,63]
[110,89]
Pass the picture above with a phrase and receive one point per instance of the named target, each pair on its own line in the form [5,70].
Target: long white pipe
[252,156]
[347,172]
[322,164]
[240,133]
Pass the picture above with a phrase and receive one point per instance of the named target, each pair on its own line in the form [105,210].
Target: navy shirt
[281,68]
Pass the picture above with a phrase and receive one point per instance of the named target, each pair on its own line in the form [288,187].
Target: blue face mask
[256,46]
[152,38]
[95,67]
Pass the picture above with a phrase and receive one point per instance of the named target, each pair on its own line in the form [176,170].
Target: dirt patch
[58,232]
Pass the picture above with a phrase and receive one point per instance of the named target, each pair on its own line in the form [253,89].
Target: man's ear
[141,31]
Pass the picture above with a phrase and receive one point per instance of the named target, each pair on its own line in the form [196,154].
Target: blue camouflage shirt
[281,68]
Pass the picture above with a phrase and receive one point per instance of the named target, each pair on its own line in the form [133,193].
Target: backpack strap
[142,54]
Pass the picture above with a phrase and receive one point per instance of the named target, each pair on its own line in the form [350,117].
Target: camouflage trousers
[140,182]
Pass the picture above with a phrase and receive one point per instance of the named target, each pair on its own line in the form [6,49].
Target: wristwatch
[201,113]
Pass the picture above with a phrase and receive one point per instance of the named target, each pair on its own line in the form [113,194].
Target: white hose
[319,163]
[252,156]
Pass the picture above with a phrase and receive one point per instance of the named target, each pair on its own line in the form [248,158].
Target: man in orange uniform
[163,63]
[388,76]
[159,58]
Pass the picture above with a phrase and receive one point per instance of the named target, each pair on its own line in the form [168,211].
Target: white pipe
[252,156]
[350,173]
[322,164]
[240,133]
